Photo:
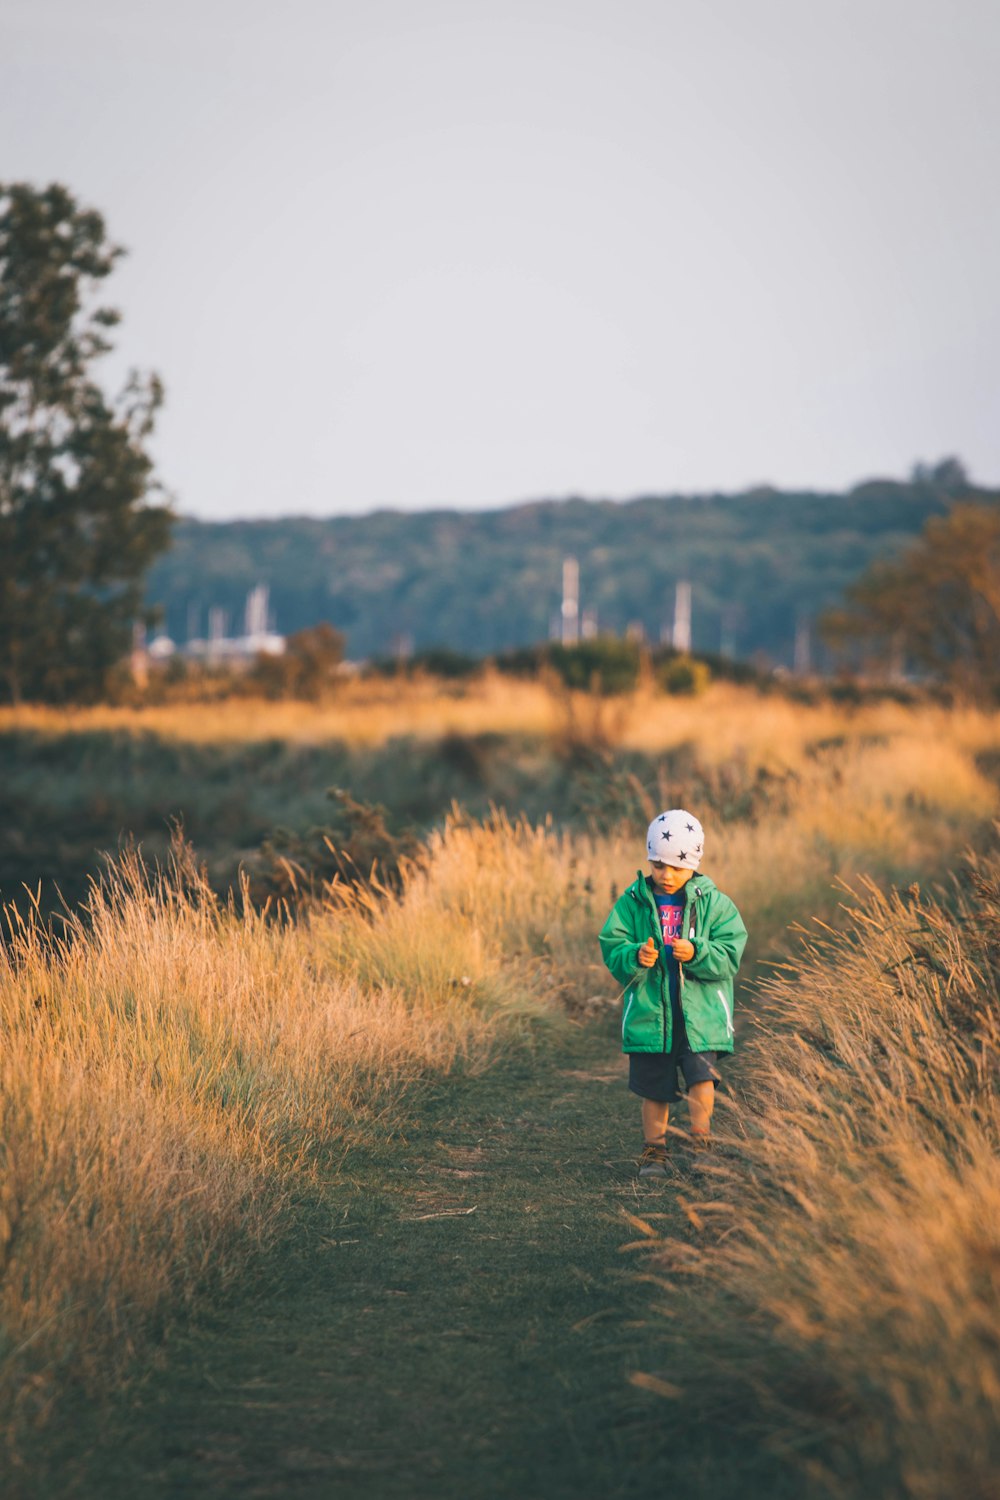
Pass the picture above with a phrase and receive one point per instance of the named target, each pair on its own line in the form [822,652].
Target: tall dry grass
[175,1066]
[891,808]
[846,1265]
[726,723]
[172,1067]
[364,712]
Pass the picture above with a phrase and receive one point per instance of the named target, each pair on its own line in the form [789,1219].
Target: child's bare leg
[654,1120]
[701,1102]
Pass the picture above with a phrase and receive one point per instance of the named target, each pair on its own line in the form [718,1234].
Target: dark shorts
[653,1075]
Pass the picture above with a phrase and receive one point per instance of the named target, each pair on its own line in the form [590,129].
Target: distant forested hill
[481,582]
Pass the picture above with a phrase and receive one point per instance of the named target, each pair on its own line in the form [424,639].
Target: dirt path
[458,1321]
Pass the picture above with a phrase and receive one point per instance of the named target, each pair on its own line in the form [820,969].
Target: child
[674,941]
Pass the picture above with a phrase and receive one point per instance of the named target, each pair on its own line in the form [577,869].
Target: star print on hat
[677,838]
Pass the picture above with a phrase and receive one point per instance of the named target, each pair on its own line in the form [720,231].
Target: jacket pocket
[642,1017]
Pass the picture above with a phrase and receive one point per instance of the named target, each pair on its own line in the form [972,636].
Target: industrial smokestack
[682,617]
[570,601]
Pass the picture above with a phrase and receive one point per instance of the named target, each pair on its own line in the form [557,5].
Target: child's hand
[647,954]
[683,950]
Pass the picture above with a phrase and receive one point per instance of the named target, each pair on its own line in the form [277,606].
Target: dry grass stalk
[727,723]
[860,1267]
[173,1065]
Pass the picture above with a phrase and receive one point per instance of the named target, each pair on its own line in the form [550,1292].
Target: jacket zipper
[665,1006]
[692,924]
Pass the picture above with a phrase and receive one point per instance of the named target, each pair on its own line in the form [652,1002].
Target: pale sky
[418,253]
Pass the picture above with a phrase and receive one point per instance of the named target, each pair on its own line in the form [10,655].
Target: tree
[937,606]
[948,475]
[78,526]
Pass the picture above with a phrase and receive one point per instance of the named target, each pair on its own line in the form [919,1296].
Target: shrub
[357,848]
[309,668]
[683,674]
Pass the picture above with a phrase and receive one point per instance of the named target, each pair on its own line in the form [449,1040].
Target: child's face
[669,878]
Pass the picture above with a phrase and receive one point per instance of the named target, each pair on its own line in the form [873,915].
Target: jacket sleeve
[718,950]
[619,946]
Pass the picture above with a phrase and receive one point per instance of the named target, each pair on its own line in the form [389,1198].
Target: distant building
[257,638]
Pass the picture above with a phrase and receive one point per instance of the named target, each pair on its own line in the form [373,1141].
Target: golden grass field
[858,1244]
[172,1067]
[724,721]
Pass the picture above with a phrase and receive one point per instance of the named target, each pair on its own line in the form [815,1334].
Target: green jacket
[716,929]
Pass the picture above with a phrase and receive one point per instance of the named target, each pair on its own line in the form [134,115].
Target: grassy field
[853,1247]
[184,1082]
[454,1316]
[74,785]
[724,721]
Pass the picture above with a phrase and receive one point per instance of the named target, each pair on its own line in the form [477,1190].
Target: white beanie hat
[677,838]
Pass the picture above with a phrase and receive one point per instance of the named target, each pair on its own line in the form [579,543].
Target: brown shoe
[654,1160]
[699,1140]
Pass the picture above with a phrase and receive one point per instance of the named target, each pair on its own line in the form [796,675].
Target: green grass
[452,1316]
